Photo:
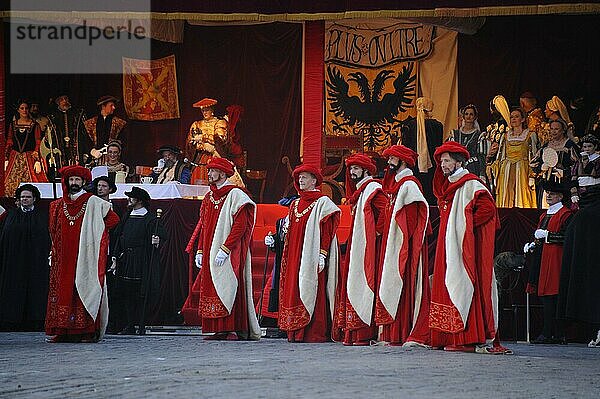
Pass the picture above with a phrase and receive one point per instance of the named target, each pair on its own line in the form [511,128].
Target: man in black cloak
[136,260]
[579,293]
[24,249]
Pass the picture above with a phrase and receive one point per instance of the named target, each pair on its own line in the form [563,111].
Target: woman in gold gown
[515,186]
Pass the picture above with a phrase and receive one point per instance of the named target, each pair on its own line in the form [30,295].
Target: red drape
[2,108]
[312,142]
[256,66]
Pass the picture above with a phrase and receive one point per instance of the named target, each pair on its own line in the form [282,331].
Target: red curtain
[313,93]
[3,68]
[258,67]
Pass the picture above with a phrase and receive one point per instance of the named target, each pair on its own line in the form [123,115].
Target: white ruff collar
[77,194]
[363,181]
[403,173]
[139,212]
[225,183]
[458,173]
[552,209]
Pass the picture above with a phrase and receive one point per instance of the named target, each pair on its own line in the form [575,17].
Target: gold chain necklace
[70,218]
[299,215]
[214,201]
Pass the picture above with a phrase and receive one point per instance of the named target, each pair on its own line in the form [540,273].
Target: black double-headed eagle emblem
[374,114]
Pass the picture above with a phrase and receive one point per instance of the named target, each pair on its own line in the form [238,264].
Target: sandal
[493,350]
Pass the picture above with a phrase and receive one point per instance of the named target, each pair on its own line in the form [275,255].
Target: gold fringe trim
[578,8]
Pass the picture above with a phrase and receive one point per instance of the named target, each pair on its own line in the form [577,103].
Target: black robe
[24,270]
[70,124]
[133,250]
[279,237]
[579,294]
[115,314]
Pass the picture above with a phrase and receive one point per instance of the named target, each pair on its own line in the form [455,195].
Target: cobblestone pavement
[186,366]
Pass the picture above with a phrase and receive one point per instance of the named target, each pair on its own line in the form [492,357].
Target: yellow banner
[371,80]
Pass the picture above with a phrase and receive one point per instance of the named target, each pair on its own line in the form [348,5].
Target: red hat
[221,164]
[451,146]
[363,161]
[75,170]
[404,153]
[308,169]
[205,102]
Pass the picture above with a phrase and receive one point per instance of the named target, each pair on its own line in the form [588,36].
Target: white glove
[286,224]
[269,241]
[528,247]
[155,240]
[37,167]
[539,234]
[198,261]
[220,258]
[321,263]
[575,199]
[5,164]
[113,266]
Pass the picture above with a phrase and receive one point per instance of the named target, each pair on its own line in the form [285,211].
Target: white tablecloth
[156,191]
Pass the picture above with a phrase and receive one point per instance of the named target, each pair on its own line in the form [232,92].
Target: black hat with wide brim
[138,193]
[555,187]
[107,99]
[172,148]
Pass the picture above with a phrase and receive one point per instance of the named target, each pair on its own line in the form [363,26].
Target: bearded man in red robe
[77,299]
[358,284]
[403,305]
[224,234]
[310,262]
[464,296]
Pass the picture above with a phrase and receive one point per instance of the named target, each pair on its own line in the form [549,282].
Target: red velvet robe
[551,260]
[445,320]
[215,316]
[293,316]
[412,220]
[66,314]
[353,327]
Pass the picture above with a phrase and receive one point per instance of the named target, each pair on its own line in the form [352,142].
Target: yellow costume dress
[203,139]
[513,172]
[206,140]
